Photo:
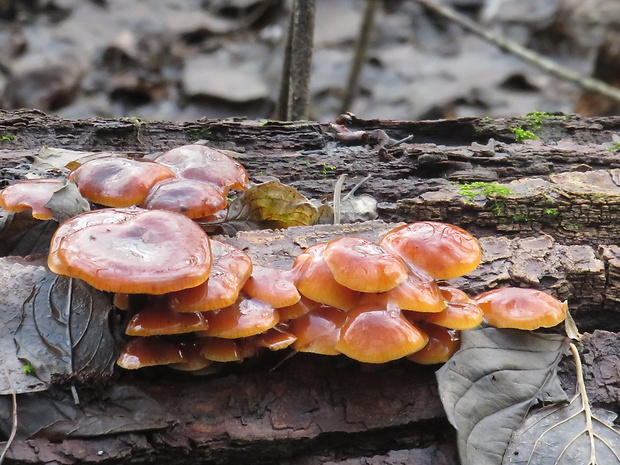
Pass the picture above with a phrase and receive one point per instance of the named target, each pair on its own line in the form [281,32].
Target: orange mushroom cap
[315,280]
[272,285]
[157,319]
[513,307]
[193,199]
[246,317]
[207,165]
[31,194]
[118,181]
[219,350]
[231,269]
[132,251]
[419,292]
[442,250]
[456,315]
[442,344]
[318,330]
[276,338]
[362,265]
[149,351]
[298,309]
[375,334]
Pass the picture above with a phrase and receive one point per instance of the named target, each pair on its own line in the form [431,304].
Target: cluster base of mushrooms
[204,303]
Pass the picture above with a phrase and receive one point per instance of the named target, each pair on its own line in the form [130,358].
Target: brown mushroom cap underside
[31,194]
[132,251]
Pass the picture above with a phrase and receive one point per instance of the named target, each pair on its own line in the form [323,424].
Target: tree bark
[555,230]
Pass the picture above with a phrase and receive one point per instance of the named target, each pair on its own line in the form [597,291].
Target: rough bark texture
[555,230]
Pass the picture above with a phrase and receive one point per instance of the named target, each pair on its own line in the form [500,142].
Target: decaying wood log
[556,230]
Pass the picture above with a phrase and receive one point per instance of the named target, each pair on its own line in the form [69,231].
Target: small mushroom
[460,312]
[193,199]
[157,319]
[513,307]
[442,250]
[315,280]
[204,164]
[193,361]
[132,251]
[272,285]
[219,350]
[375,334]
[362,265]
[118,181]
[142,352]
[318,331]
[442,344]
[419,292]
[246,317]
[298,309]
[30,194]
[231,269]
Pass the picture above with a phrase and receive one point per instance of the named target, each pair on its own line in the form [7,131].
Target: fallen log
[313,409]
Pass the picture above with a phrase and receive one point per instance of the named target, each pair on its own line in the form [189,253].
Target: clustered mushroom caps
[208,304]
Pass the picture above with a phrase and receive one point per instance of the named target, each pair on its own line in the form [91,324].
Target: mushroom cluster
[209,304]
[193,180]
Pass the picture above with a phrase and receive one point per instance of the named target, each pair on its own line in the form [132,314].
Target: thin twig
[585,402]
[361,48]
[356,187]
[13,428]
[525,54]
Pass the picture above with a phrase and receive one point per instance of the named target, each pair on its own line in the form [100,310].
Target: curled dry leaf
[273,202]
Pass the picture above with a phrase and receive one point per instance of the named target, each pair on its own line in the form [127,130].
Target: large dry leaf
[558,435]
[491,383]
[18,277]
[54,415]
[64,329]
[274,203]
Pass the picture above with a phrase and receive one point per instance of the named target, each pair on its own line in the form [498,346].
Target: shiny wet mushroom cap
[193,199]
[442,250]
[362,265]
[272,285]
[204,164]
[513,307]
[30,194]
[132,251]
[231,269]
[315,280]
[118,181]
[374,334]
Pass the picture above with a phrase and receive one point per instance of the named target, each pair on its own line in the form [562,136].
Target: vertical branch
[359,57]
[293,102]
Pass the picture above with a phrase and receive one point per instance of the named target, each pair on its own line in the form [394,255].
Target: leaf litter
[490,384]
